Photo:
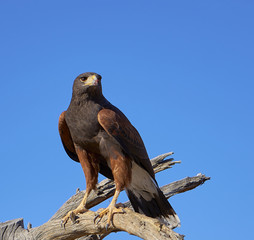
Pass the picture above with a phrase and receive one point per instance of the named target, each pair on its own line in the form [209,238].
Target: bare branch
[139,225]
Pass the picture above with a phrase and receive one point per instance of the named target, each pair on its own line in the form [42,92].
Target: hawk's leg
[121,170]
[90,169]
[111,209]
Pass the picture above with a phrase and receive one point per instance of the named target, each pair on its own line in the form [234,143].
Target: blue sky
[181,71]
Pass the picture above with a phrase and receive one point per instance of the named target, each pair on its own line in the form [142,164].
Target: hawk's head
[88,82]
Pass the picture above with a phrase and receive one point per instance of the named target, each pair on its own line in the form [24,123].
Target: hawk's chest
[83,122]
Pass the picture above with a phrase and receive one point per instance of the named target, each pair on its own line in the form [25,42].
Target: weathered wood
[85,229]
[14,230]
[184,185]
[139,225]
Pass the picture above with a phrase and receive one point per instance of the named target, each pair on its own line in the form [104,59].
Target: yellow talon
[72,215]
[110,211]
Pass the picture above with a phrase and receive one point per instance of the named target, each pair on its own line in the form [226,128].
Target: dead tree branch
[139,225]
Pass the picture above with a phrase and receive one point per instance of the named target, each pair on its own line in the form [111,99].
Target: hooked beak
[91,81]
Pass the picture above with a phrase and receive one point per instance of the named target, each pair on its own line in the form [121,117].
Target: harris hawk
[100,137]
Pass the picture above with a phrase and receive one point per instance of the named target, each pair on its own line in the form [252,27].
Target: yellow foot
[72,215]
[110,210]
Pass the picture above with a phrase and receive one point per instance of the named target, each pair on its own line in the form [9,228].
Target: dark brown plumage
[100,137]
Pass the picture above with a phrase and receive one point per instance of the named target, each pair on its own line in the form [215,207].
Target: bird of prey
[100,137]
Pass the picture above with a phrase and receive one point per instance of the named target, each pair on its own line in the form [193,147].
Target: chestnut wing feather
[118,126]
[66,138]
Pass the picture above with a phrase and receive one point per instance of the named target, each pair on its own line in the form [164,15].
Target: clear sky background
[181,71]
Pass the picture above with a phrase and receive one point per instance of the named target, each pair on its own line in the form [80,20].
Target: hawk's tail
[147,198]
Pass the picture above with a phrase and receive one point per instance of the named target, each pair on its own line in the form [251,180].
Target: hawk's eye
[83,79]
